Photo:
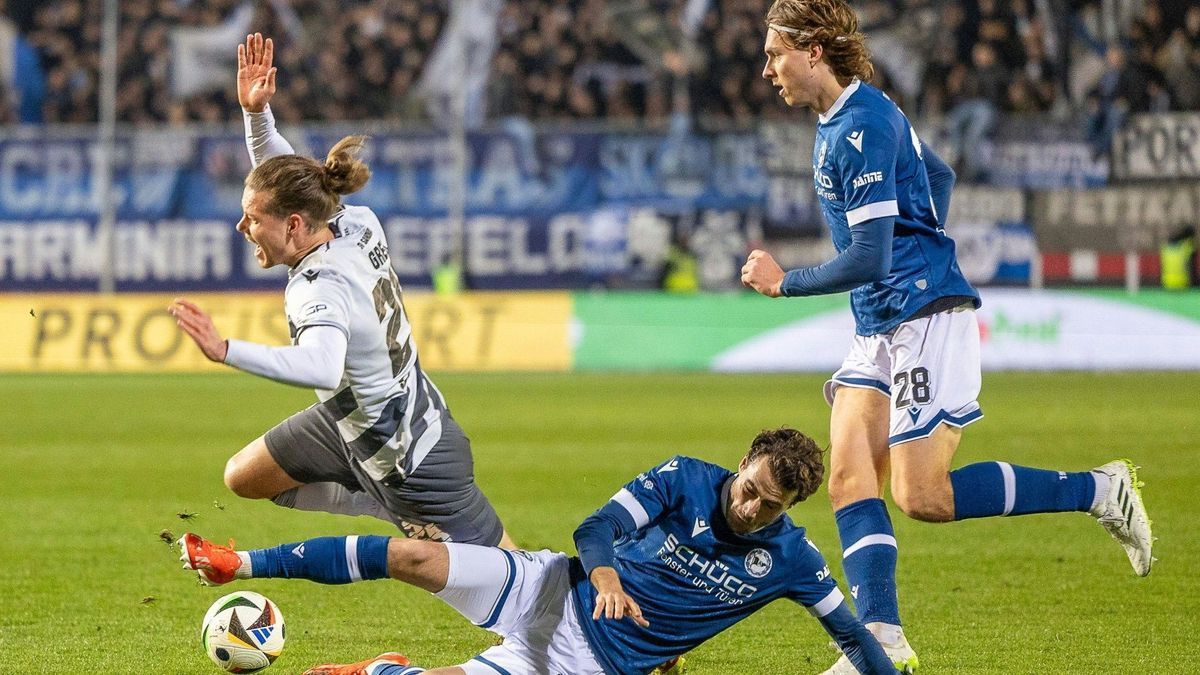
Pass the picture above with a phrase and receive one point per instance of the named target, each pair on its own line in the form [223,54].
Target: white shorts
[526,598]
[929,367]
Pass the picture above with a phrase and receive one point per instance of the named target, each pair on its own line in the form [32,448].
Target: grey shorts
[439,500]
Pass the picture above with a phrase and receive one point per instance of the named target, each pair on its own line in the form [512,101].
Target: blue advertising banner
[549,210]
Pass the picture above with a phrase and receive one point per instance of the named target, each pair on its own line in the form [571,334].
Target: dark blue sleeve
[595,535]
[856,642]
[642,501]
[868,258]
[941,182]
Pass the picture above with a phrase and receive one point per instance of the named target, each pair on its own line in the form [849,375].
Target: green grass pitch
[92,468]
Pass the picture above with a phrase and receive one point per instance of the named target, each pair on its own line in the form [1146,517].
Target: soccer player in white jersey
[682,552]
[912,377]
[381,441]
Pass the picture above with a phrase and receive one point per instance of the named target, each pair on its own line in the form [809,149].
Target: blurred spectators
[966,61]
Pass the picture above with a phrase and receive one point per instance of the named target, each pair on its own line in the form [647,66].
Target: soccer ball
[242,632]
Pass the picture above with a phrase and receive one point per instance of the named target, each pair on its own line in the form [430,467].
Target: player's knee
[417,562]
[923,505]
[240,482]
[846,487]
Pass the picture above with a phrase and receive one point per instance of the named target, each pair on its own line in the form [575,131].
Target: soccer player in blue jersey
[910,382]
[682,552]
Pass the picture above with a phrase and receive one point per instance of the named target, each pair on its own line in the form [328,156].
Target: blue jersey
[690,574]
[867,163]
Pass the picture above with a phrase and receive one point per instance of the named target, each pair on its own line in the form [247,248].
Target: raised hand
[199,326]
[256,74]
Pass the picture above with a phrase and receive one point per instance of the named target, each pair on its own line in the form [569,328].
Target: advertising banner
[553,210]
[1019,330]
[135,333]
[1157,146]
[1045,164]
[1125,218]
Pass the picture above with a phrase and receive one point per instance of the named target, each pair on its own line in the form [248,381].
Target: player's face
[789,70]
[267,232]
[755,498]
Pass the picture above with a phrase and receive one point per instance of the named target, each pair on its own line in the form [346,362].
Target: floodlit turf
[93,468]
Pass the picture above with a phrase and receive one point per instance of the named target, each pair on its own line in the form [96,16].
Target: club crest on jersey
[821,155]
[758,563]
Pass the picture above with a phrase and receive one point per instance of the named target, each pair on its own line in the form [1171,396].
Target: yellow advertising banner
[481,331]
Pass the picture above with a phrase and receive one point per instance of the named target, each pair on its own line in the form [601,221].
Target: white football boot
[1122,513]
[900,652]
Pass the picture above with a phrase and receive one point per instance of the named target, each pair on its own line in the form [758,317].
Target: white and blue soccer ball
[242,632]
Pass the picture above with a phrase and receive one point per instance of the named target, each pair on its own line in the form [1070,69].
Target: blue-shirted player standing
[912,377]
[682,552]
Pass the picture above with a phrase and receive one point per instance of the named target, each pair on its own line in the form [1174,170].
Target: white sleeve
[262,140]
[317,360]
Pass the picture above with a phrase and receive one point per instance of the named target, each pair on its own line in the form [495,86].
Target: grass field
[93,468]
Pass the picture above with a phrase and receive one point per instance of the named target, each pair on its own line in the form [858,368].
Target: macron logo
[673,465]
[856,140]
[854,592]
[699,527]
[298,551]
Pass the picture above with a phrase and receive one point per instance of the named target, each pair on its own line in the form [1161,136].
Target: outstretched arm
[256,85]
[868,258]
[317,360]
[856,642]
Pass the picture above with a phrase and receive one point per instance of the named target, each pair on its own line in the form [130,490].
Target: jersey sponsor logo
[311,275]
[313,309]
[758,563]
[365,238]
[713,576]
[856,139]
[868,178]
[672,465]
[648,484]
[699,527]
[823,574]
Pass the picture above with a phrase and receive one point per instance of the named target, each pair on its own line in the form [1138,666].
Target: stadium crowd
[964,63]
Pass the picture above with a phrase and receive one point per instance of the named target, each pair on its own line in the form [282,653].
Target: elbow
[876,270]
[331,379]
[883,268]
[951,177]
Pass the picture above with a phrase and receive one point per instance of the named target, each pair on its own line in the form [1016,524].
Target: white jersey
[388,412]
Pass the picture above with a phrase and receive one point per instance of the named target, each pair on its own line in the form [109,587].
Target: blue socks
[1001,489]
[325,560]
[869,559]
[393,669]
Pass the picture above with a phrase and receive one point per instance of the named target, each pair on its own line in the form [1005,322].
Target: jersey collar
[841,101]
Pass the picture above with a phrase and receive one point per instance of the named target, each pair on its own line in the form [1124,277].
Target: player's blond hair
[831,24]
[305,186]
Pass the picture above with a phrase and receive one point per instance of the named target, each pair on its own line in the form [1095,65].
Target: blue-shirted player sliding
[911,379]
[682,552]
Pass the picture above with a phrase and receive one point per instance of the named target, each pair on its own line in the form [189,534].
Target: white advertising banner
[1019,330]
